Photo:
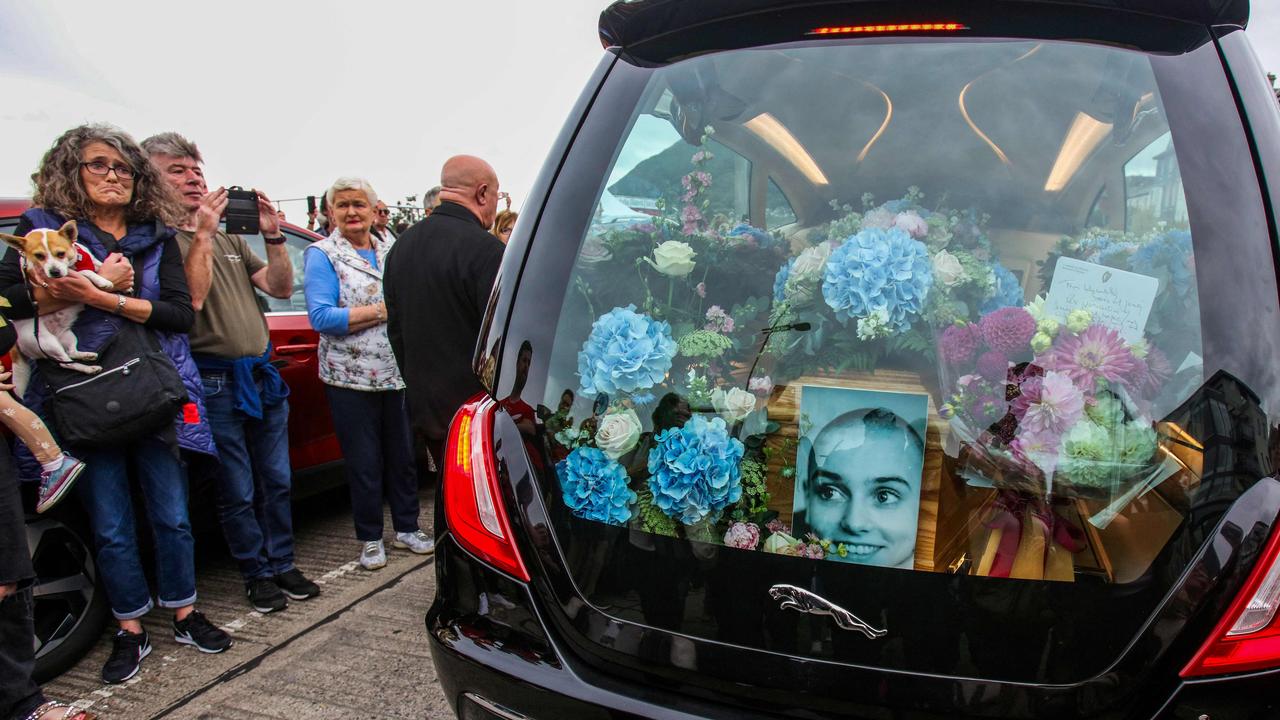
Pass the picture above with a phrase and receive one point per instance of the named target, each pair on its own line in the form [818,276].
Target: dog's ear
[69,230]
[15,242]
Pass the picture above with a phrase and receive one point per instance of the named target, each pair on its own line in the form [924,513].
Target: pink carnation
[1097,353]
[959,343]
[1051,404]
[1008,330]
[777,526]
[691,217]
[761,386]
[993,366]
[744,536]
[718,320]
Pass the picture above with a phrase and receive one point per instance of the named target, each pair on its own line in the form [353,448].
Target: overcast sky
[289,96]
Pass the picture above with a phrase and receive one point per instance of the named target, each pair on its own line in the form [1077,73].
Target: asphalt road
[357,651]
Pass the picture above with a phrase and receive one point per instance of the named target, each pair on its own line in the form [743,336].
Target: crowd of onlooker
[168,289]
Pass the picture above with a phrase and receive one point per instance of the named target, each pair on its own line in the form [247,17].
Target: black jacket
[436,285]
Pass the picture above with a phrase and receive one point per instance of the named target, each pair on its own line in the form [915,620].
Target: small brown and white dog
[58,255]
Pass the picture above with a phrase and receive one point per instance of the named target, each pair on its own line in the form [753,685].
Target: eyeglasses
[384,211]
[97,167]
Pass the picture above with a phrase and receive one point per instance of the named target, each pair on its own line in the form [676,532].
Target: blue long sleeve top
[322,291]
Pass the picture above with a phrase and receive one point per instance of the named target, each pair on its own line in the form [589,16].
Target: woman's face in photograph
[868,498]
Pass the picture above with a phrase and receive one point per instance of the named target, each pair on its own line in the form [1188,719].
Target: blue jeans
[377,450]
[104,489]
[255,480]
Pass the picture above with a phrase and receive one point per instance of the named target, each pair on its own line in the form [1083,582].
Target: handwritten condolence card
[1116,298]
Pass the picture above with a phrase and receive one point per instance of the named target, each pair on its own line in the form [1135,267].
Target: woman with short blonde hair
[363,383]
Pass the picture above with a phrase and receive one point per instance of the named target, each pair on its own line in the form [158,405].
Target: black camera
[242,211]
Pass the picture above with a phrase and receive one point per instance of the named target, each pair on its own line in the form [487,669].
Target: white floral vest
[362,360]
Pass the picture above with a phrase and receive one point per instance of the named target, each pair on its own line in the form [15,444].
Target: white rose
[618,433]
[879,218]
[912,224]
[733,405]
[810,262]
[673,258]
[947,269]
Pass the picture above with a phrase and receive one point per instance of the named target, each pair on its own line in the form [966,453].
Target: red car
[70,608]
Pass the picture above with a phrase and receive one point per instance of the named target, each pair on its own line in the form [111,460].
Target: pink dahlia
[1039,449]
[993,366]
[1008,330]
[959,343]
[1051,404]
[1150,373]
[1098,352]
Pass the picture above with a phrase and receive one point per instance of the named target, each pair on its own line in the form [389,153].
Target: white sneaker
[373,556]
[416,541]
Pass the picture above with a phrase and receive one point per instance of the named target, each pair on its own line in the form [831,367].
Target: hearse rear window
[922,306]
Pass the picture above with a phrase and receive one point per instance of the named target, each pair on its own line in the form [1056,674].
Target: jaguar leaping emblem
[794,598]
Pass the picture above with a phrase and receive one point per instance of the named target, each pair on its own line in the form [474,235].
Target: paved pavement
[357,651]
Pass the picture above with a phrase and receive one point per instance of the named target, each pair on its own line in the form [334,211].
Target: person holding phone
[245,398]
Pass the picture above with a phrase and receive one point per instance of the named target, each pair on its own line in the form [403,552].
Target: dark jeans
[377,447]
[254,480]
[18,694]
[104,489]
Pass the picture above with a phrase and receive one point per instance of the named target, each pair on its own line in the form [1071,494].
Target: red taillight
[888,28]
[472,503]
[1248,636]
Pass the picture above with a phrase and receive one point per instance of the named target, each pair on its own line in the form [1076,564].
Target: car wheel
[69,604]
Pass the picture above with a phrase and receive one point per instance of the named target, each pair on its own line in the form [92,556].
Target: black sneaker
[294,584]
[196,630]
[264,596]
[127,651]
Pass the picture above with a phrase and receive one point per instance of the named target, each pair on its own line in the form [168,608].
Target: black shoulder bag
[137,394]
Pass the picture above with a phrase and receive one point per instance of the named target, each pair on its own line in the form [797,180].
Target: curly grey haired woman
[99,178]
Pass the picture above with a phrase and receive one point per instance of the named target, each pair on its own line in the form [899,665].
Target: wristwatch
[279,240]
[120,299]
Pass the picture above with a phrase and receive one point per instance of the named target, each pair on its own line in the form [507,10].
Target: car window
[1153,189]
[295,244]
[777,211]
[952,342]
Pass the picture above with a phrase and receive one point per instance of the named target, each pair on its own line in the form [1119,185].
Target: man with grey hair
[436,286]
[431,201]
[245,398]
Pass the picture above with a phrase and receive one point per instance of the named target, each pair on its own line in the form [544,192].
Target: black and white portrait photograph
[859,470]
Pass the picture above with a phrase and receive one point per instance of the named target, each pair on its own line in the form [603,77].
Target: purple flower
[777,526]
[1049,405]
[993,366]
[1097,353]
[1008,330]
[744,536]
[959,343]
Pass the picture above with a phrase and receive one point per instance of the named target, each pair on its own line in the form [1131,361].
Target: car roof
[629,22]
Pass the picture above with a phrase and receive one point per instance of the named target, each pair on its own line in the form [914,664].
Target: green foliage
[755,492]
[652,519]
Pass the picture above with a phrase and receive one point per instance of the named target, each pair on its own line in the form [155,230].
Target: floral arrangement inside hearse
[883,389]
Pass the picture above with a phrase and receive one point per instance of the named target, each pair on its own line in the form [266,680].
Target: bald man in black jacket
[436,285]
